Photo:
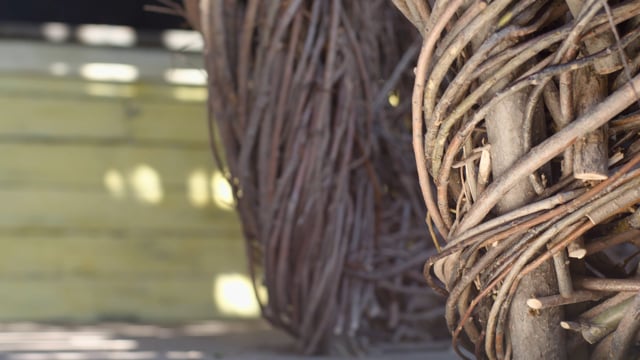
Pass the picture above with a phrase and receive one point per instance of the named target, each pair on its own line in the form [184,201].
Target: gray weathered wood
[590,159]
[532,335]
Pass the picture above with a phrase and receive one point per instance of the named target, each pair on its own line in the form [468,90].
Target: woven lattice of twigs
[321,166]
[526,120]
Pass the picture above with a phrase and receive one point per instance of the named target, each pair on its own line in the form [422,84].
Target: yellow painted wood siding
[72,247]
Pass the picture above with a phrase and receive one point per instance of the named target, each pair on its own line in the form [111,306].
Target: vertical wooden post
[590,87]
[533,335]
[590,157]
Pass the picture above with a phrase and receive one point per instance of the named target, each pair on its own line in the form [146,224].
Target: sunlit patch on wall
[110,90]
[262,293]
[106,35]
[221,191]
[394,99]
[198,188]
[56,32]
[114,182]
[233,295]
[109,72]
[190,93]
[183,76]
[146,184]
[182,40]
[59,68]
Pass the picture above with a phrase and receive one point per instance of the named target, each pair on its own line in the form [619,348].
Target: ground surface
[117,341]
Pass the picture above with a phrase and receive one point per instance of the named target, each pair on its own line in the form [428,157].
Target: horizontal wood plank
[74,247]
[77,119]
[86,165]
[54,209]
[88,300]
[34,86]
[169,122]
[23,116]
[36,58]
[125,256]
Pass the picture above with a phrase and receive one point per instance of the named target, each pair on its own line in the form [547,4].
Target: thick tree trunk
[533,335]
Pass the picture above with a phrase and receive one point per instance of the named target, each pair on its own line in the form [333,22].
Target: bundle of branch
[311,101]
[525,134]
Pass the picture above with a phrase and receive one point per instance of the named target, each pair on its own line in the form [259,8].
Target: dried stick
[538,303]
[627,330]
[609,241]
[601,325]
[590,157]
[608,303]
[424,60]
[590,151]
[597,43]
[577,250]
[608,285]
[505,294]
[549,148]
[563,275]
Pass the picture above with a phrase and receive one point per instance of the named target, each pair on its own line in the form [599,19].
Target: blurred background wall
[110,205]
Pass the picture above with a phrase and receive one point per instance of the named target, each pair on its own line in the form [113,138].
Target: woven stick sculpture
[525,134]
[321,166]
